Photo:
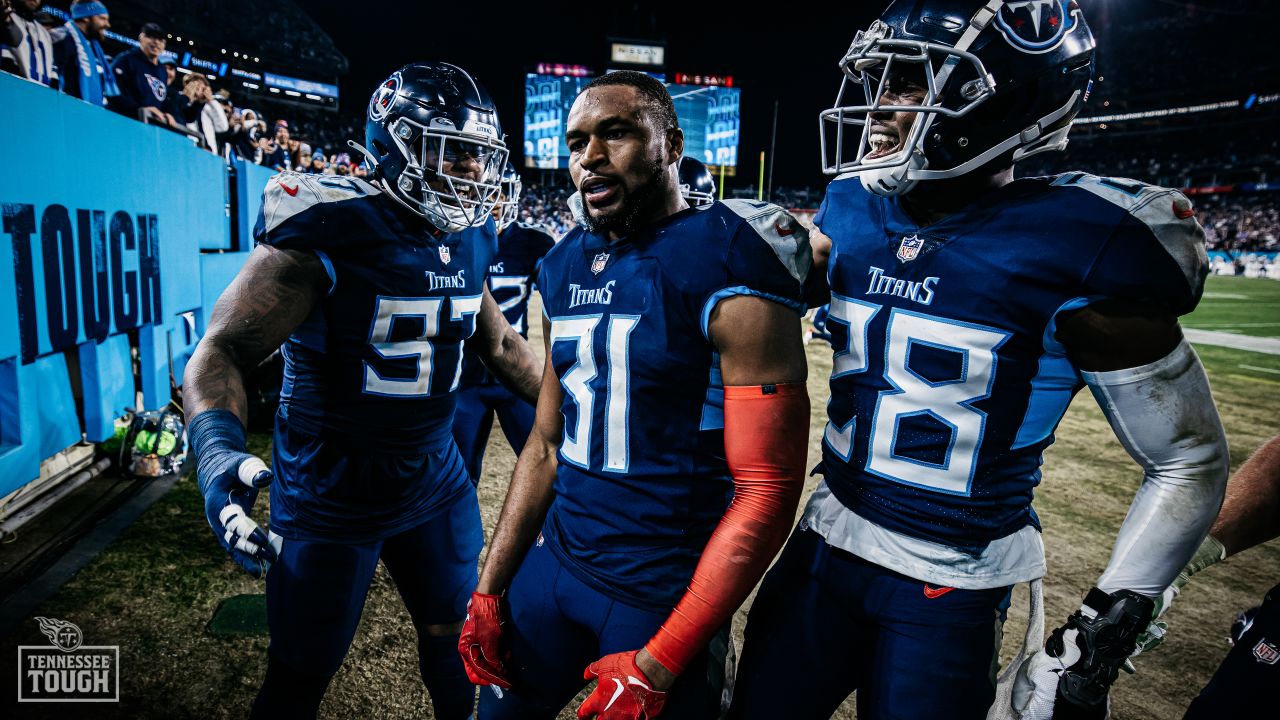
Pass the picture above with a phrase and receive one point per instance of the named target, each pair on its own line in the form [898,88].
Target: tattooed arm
[273,293]
[506,353]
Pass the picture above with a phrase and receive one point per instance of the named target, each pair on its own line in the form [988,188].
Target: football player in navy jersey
[511,277]
[967,309]
[372,288]
[667,457]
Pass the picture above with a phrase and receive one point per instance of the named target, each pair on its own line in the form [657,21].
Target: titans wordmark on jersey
[369,375]
[642,479]
[947,379]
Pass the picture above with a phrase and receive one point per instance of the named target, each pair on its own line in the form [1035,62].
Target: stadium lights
[179,38]
[224,51]
[237,53]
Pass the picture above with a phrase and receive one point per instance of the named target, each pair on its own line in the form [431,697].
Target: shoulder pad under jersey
[294,204]
[1156,253]
[788,238]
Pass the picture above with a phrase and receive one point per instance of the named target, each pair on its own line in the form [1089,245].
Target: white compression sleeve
[1163,414]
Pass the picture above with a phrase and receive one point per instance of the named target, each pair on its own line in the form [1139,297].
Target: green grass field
[1244,306]
[155,589]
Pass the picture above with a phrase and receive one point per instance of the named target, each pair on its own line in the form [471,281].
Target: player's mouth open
[882,144]
[600,191]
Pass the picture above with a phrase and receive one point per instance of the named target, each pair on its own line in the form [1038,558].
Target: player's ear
[675,141]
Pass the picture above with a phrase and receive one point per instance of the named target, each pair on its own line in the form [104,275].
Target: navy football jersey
[520,249]
[947,379]
[642,480]
[371,372]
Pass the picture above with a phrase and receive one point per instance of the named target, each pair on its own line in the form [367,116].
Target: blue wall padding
[56,415]
[108,385]
[106,227]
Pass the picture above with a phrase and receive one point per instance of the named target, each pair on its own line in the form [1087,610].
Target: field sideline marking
[1269,346]
[1234,325]
[1260,369]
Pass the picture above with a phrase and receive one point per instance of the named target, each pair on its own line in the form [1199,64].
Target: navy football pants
[474,417]
[560,625]
[1245,685]
[316,590]
[827,623]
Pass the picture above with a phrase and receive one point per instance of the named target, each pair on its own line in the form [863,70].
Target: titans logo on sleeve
[642,479]
[369,376]
[947,380]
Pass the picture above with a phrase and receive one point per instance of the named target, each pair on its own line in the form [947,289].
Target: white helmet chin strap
[893,180]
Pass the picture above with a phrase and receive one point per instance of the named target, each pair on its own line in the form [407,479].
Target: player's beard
[638,204]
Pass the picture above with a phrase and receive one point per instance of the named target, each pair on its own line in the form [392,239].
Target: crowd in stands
[547,207]
[143,82]
[64,50]
[1240,224]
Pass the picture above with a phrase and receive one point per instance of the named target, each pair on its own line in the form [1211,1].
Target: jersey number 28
[948,402]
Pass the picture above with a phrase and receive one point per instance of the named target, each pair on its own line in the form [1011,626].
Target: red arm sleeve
[766,439]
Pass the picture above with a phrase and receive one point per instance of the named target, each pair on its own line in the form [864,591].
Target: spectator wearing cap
[82,65]
[318,164]
[302,159]
[175,104]
[140,77]
[244,133]
[28,43]
[278,159]
[204,115]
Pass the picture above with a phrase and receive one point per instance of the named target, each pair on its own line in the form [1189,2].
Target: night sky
[790,57]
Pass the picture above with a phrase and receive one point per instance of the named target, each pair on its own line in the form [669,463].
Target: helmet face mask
[969,81]
[507,211]
[874,67]
[435,182]
[435,143]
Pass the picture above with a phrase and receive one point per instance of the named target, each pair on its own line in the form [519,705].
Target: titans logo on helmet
[1037,26]
[385,97]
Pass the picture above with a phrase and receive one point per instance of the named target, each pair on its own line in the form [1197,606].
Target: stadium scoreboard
[709,114]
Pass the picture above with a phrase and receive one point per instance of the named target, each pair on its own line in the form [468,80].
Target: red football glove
[481,645]
[623,693]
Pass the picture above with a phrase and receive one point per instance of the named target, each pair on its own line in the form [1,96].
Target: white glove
[1036,683]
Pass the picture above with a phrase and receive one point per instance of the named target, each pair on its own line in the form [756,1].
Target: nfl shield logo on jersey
[597,265]
[445,256]
[909,248]
[1266,652]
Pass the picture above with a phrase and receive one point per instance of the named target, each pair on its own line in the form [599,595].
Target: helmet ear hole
[379,148]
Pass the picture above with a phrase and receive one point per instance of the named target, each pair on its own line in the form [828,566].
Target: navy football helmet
[507,210]
[1002,80]
[696,184]
[427,115]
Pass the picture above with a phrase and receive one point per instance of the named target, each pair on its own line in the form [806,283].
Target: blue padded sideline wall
[106,233]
